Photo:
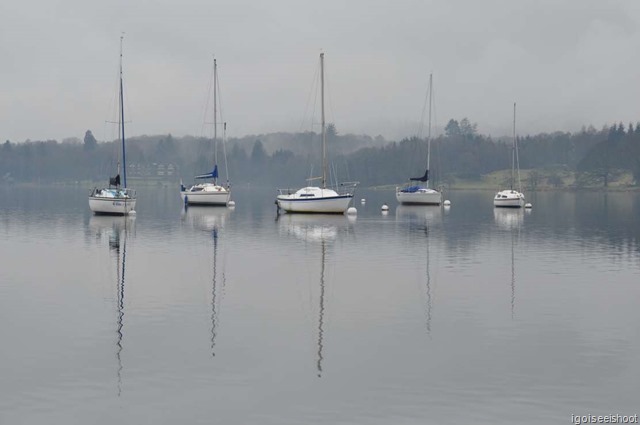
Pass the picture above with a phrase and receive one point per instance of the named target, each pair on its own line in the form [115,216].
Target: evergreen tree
[90,142]
[258,153]
[452,128]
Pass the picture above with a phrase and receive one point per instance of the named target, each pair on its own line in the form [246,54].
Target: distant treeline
[286,159]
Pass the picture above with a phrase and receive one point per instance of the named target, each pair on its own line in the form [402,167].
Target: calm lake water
[421,316]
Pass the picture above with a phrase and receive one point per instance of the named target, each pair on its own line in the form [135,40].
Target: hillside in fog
[592,157]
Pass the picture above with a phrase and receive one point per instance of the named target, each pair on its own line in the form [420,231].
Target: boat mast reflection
[120,295]
[211,221]
[421,218]
[322,229]
[513,275]
[511,220]
[117,229]
[321,309]
[214,313]
[428,282]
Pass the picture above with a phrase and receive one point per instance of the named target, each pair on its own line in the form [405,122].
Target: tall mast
[513,148]
[324,135]
[224,150]
[215,113]
[429,128]
[124,158]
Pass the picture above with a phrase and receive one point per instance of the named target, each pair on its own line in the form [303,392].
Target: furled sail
[423,178]
[211,175]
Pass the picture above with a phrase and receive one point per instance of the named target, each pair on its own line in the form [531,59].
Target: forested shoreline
[586,158]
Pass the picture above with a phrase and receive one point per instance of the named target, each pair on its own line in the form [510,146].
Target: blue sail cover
[211,175]
[411,189]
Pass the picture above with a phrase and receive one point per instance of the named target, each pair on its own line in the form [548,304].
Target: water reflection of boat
[421,219]
[214,286]
[428,278]
[511,220]
[322,230]
[513,275]
[110,226]
[508,218]
[314,228]
[204,218]
[418,213]
[117,231]
[211,220]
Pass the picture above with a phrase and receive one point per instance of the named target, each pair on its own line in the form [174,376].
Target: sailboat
[116,199]
[418,194]
[210,193]
[314,199]
[510,197]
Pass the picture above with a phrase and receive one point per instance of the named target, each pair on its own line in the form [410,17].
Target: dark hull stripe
[419,203]
[129,200]
[109,213]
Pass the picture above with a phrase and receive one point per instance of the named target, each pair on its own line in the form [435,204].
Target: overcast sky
[566,63]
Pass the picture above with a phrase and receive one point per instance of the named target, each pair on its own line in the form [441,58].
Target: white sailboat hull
[327,205]
[112,206]
[212,195]
[509,199]
[422,196]
[314,200]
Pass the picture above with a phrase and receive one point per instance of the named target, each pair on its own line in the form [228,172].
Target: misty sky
[566,63]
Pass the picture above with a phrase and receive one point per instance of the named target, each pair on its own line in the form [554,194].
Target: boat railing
[131,193]
[113,193]
[346,188]
[287,191]
[412,187]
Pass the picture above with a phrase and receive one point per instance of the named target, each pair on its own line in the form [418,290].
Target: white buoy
[447,203]
[362,201]
[352,211]
[231,204]
[528,205]
[385,207]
